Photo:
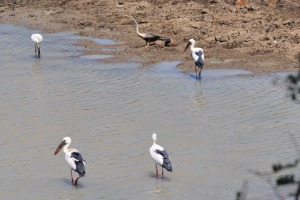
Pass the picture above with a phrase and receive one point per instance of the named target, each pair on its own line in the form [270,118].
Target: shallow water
[215,130]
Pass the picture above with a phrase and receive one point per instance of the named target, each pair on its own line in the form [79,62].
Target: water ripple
[214,130]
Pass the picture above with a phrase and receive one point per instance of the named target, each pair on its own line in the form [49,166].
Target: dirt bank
[262,36]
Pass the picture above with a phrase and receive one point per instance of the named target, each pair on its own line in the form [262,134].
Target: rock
[277,24]
[120,3]
[204,11]
[207,18]
[266,38]
[210,40]
[246,20]
[252,8]
[232,9]
[288,22]
[230,45]
[214,1]
[223,38]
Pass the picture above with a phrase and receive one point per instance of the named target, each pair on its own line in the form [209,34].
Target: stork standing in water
[160,156]
[151,38]
[198,56]
[37,39]
[73,158]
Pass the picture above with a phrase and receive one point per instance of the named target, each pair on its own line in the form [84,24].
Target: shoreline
[258,55]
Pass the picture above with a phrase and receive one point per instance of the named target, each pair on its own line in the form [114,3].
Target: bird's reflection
[36,67]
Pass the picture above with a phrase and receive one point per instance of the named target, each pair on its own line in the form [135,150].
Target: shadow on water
[194,77]
[35,57]
[165,178]
[36,67]
[219,73]
[69,183]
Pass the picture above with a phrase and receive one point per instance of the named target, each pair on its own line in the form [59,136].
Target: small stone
[223,38]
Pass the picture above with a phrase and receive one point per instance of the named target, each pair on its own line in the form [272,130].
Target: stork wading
[160,156]
[73,158]
[198,57]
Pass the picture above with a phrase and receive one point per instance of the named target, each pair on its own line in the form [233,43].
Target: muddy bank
[262,37]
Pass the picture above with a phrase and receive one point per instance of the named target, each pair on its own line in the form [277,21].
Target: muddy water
[215,130]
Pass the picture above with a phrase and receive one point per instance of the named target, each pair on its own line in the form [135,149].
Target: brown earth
[262,36]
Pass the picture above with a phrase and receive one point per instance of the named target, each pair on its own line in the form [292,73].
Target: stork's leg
[196,71]
[156,171]
[72,177]
[39,52]
[199,75]
[147,44]
[201,67]
[77,180]
[162,172]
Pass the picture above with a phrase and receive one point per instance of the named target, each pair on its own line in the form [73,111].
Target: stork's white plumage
[73,158]
[198,56]
[37,39]
[160,156]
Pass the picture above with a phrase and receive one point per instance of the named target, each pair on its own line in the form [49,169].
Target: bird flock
[197,53]
[77,163]
[157,152]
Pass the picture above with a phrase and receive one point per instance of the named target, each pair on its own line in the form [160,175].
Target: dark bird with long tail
[152,38]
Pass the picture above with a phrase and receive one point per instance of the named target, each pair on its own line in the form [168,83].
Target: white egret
[37,39]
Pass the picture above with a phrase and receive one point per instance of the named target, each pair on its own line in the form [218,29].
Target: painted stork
[37,39]
[160,156]
[152,38]
[73,158]
[198,56]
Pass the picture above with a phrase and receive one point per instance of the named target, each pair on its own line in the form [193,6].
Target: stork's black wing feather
[79,162]
[199,53]
[77,156]
[163,153]
[80,168]
[166,161]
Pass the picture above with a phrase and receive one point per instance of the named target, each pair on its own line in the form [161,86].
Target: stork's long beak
[59,147]
[187,46]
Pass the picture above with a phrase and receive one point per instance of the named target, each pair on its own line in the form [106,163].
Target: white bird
[37,39]
[160,156]
[198,56]
[73,158]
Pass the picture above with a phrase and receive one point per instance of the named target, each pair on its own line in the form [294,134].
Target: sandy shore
[262,38]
